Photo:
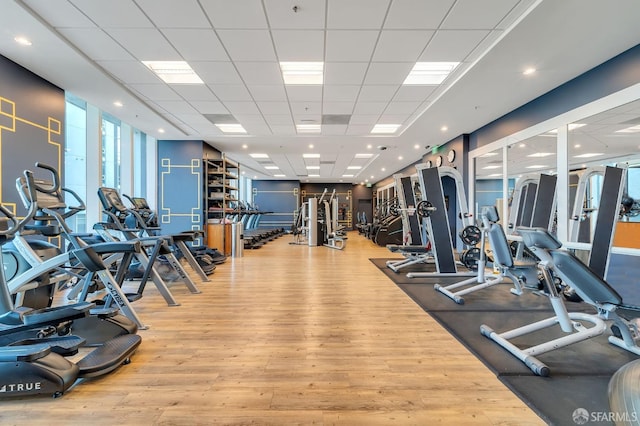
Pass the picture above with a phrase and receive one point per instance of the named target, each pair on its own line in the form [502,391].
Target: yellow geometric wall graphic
[188,178]
[9,119]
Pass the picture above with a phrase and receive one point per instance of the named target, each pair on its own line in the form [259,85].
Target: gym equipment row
[37,339]
[316,223]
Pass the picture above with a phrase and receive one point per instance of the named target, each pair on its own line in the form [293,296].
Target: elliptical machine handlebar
[33,207]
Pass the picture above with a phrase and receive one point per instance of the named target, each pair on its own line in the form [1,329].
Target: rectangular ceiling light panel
[231,128]
[297,73]
[429,73]
[174,72]
[385,128]
[308,128]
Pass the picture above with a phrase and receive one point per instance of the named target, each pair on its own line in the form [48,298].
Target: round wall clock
[451,156]
[439,161]
[428,163]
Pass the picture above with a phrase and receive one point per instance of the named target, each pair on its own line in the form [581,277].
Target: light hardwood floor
[288,335]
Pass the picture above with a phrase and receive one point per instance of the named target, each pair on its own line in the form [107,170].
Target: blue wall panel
[280,198]
[31,128]
[180,185]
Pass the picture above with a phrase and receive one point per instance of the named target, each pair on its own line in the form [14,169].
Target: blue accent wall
[31,128]
[180,185]
[612,76]
[279,198]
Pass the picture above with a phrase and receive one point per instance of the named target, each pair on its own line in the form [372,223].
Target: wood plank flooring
[288,335]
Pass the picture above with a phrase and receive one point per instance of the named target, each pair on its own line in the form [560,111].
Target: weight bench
[589,286]
[413,254]
[517,272]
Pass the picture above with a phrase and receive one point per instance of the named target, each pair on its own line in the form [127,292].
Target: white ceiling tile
[231,92]
[472,14]
[267,73]
[350,46]
[452,45]
[248,45]
[361,119]
[173,14]
[197,44]
[96,44]
[369,108]
[299,45]
[305,118]
[342,73]
[283,129]
[279,120]
[236,107]
[333,129]
[274,108]
[194,92]
[257,128]
[209,107]
[194,119]
[304,93]
[175,107]
[377,93]
[145,44]
[114,13]
[393,118]
[281,15]
[159,91]
[262,92]
[130,72]
[401,45]
[236,14]
[413,93]
[60,14]
[358,129]
[401,108]
[340,93]
[306,108]
[417,14]
[360,14]
[250,118]
[387,72]
[337,107]
[216,73]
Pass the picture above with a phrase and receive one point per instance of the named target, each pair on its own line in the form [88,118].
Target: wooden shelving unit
[221,199]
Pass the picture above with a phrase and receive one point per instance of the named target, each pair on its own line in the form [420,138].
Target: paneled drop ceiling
[95,49]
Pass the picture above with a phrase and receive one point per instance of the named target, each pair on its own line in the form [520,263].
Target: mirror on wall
[488,184]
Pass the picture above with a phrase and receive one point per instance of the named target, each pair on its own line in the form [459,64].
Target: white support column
[562,189]
[504,214]
[94,165]
[152,173]
[126,159]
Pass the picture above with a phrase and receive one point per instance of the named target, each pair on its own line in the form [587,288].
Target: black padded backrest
[414,221]
[538,237]
[110,199]
[589,286]
[53,200]
[543,206]
[500,246]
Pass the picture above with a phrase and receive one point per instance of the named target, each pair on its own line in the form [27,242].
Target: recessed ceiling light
[231,128]
[385,128]
[632,129]
[310,146]
[245,146]
[491,167]
[540,154]
[429,73]
[257,155]
[354,167]
[416,146]
[366,155]
[311,155]
[272,167]
[255,177]
[302,72]
[589,155]
[313,167]
[577,145]
[529,71]
[347,175]
[308,128]
[536,166]
[243,172]
[160,130]
[314,175]
[444,128]
[23,41]
[279,175]
[383,169]
[174,72]
[369,146]
[522,145]
[400,157]
[118,104]
[372,177]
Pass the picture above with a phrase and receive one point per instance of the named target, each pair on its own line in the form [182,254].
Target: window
[75,157]
[110,151]
[140,163]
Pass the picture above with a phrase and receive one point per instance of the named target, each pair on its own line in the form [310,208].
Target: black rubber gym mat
[580,373]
